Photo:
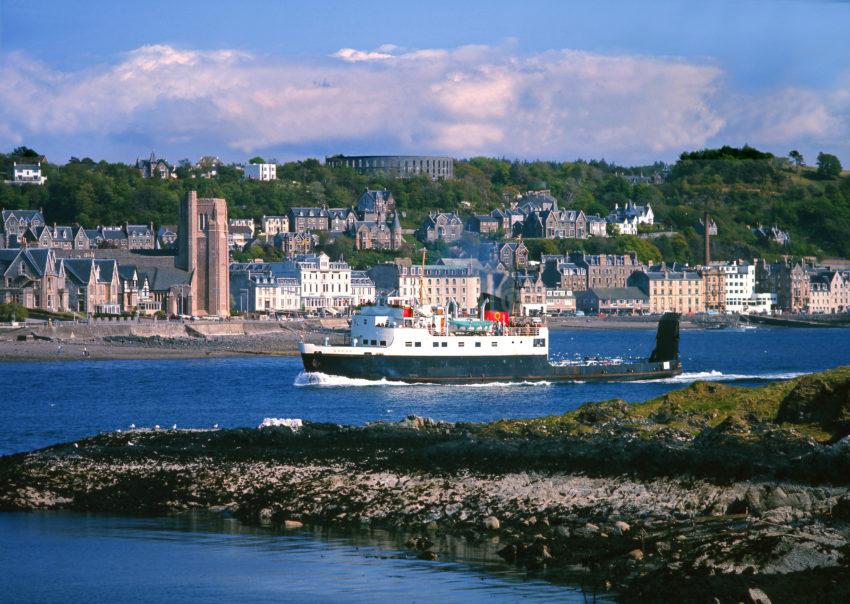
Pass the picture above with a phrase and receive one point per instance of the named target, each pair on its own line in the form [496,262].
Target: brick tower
[202,251]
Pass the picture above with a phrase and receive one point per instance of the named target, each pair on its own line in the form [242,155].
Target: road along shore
[739,494]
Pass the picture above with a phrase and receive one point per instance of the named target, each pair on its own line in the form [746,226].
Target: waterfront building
[399,279]
[740,286]
[33,278]
[362,289]
[715,288]
[829,292]
[607,270]
[263,172]
[442,284]
[325,285]
[399,166]
[93,285]
[613,301]
[559,301]
[677,291]
[532,294]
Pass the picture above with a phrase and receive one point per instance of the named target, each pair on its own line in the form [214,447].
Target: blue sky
[628,81]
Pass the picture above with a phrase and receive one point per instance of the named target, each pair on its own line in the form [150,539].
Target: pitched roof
[618,293]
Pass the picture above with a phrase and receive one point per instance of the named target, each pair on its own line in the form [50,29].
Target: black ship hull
[471,369]
[662,363]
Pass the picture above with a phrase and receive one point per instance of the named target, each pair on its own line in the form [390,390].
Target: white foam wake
[718,376]
[323,380]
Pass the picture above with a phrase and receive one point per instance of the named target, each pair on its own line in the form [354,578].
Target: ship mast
[422,280]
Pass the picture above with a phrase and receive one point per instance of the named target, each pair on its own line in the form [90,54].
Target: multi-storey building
[626,219]
[677,291]
[154,167]
[308,219]
[272,225]
[325,285]
[293,244]
[399,280]
[740,286]
[531,291]
[400,166]
[829,292]
[614,301]
[33,278]
[263,172]
[362,289]
[715,288]
[442,284]
[15,223]
[93,285]
[607,270]
[563,272]
[27,174]
[378,234]
[440,226]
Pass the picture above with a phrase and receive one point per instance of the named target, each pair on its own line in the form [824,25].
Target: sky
[630,82]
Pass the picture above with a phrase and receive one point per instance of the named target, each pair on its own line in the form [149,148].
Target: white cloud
[463,101]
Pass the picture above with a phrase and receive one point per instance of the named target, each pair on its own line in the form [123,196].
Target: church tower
[202,251]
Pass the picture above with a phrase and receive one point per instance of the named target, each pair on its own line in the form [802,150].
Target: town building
[293,244]
[269,287]
[399,166]
[93,285]
[33,278]
[554,224]
[140,236]
[325,285]
[442,284]
[308,219]
[772,234]
[559,301]
[238,237]
[596,226]
[561,271]
[15,223]
[511,254]
[531,295]
[362,289]
[155,167]
[537,201]
[676,291]
[607,270]
[375,202]
[740,286]
[626,219]
[378,234]
[508,219]
[483,224]
[264,172]
[166,237]
[440,226]
[829,292]
[613,301]
[715,288]
[399,281]
[26,173]
[272,225]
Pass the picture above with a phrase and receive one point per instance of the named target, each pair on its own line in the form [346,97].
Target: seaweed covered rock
[818,399]
[603,412]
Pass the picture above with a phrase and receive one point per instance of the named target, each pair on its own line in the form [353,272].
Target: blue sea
[53,557]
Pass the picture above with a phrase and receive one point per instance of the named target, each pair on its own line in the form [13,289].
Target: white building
[740,286]
[27,174]
[324,285]
[362,289]
[272,225]
[627,218]
[762,304]
[260,172]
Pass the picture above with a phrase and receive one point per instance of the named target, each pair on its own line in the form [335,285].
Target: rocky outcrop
[702,494]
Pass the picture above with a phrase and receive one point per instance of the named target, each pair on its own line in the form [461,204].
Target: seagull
[156,427]
[174,427]
[215,425]
[132,426]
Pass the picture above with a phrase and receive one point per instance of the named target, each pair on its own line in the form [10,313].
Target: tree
[797,158]
[26,152]
[256,160]
[828,166]
[12,311]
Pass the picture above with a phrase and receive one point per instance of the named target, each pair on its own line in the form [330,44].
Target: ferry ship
[434,345]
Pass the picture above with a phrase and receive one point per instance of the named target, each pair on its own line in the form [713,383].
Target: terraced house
[33,278]
[677,291]
[93,285]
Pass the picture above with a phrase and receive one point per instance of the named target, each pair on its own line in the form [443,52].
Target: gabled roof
[79,270]
[139,230]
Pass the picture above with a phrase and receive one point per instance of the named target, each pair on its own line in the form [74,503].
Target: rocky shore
[710,493]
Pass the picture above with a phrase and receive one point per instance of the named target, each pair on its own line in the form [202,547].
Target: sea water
[62,557]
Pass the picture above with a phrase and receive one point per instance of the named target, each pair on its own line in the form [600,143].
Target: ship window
[436,344]
[478,344]
[418,344]
[461,344]
[374,342]
[539,342]
[408,344]
[445,344]
[383,342]
[494,344]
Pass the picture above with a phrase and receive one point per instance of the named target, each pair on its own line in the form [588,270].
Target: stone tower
[202,251]
[396,239]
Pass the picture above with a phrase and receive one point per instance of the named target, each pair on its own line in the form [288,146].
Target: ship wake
[719,376]
[323,380]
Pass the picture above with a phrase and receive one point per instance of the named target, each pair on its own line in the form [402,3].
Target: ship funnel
[481,308]
[667,339]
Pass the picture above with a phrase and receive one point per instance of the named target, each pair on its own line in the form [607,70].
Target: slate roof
[618,293]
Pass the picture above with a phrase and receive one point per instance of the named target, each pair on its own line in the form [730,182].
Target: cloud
[462,101]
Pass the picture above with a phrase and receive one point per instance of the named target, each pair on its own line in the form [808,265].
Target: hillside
[740,189]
